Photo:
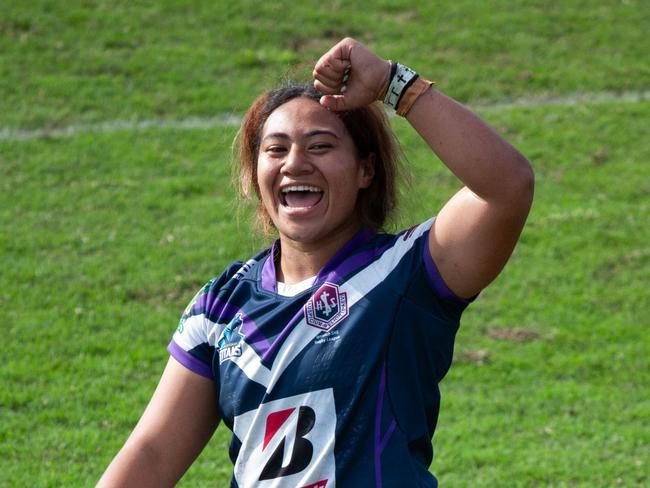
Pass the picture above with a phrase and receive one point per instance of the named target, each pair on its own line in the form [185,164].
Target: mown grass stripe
[224,120]
[567,100]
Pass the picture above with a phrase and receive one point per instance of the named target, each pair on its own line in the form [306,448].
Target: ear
[366,171]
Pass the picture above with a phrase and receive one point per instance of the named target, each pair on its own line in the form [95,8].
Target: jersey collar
[336,268]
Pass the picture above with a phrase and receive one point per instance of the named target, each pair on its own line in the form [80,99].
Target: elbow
[526,182]
[523,183]
[519,193]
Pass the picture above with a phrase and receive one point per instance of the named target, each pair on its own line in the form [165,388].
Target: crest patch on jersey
[327,307]
[229,340]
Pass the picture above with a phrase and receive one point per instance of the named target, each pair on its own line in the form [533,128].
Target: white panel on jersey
[194,331]
[251,364]
[288,442]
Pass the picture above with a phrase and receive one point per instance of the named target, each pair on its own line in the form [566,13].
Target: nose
[296,162]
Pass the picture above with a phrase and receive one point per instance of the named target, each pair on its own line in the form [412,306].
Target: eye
[275,149]
[320,146]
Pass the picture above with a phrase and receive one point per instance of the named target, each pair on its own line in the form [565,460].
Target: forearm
[487,164]
[165,443]
[137,466]
[475,232]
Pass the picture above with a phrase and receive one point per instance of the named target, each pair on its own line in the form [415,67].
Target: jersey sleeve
[425,276]
[435,279]
[190,344]
[193,344]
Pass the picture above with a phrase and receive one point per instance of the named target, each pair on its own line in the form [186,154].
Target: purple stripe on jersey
[216,310]
[270,353]
[199,305]
[254,336]
[386,438]
[189,361]
[381,441]
[224,312]
[269,280]
[342,264]
[436,280]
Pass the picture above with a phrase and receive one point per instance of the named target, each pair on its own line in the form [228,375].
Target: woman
[324,353]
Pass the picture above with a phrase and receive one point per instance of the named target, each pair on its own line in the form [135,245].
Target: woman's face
[309,174]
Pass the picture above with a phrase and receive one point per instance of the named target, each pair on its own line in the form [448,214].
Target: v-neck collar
[330,272]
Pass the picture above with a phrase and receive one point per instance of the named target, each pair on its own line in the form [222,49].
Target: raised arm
[475,233]
[178,422]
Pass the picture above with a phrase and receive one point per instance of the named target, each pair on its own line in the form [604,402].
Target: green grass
[84,60]
[106,236]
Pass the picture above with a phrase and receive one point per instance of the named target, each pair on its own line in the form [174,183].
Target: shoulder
[408,253]
[220,285]
[404,246]
[238,271]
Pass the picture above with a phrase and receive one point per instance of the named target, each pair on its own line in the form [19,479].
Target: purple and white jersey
[337,385]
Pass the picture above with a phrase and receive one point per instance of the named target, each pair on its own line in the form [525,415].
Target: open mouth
[300,196]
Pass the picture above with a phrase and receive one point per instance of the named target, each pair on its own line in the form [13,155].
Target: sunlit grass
[105,237]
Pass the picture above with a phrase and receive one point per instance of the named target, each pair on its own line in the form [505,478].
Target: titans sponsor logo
[327,307]
[229,342]
[288,442]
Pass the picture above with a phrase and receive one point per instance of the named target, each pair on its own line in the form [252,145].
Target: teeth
[301,188]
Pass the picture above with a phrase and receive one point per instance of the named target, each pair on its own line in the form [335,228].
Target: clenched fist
[350,76]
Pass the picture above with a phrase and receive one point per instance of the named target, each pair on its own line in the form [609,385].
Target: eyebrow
[312,133]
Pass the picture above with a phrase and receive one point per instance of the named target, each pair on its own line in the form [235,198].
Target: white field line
[230,120]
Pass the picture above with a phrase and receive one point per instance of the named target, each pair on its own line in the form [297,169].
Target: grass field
[107,227]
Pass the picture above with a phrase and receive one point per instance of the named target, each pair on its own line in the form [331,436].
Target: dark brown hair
[369,129]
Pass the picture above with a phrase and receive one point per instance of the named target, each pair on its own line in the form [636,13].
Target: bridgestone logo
[302,450]
[288,442]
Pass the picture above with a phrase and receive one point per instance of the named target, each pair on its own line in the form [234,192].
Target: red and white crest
[327,307]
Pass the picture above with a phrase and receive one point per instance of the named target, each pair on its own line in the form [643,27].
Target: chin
[302,235]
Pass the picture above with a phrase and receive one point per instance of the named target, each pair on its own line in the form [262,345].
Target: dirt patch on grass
[313,44]
[406,17]
[513,334]
[473,356]
[327,39]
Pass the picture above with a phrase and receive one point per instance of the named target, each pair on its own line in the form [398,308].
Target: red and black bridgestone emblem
[302,450]
[327,307]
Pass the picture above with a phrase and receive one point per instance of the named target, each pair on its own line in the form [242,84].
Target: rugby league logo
[327,307]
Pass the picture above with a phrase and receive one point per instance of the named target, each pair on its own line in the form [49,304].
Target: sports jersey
[337,385]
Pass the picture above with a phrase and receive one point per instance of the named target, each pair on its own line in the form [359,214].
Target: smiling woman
[372,138]
[309,177]
[323,354]
[306,147]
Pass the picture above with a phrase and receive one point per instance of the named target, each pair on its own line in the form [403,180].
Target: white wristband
[400,81]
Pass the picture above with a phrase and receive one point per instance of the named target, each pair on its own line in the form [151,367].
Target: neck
[301,260]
